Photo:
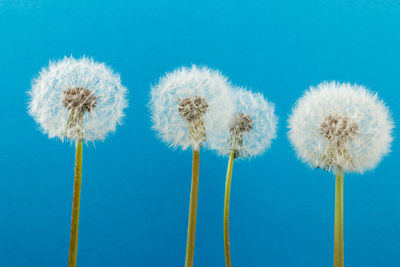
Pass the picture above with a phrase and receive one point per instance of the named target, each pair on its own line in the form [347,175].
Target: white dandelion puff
[251,128]
[69,88]
[339,125]
[77,99]
[187,106]
[190,103]
[249,133]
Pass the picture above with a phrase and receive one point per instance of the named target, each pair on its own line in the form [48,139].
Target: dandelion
[249,133]
[340,127]
[80,100]
[187,106]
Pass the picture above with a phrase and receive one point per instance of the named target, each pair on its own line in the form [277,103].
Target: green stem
[73,247]
[338,259]
[191,233]
[226,209]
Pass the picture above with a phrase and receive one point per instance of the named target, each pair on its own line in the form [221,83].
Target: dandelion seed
[187,106]
[340,127]
[74,86]
[250,129]
[249,133]
[77,99]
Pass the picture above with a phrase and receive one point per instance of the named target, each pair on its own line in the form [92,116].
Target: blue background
[135,190]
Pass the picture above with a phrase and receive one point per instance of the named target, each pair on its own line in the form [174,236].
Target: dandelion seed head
[71,87]
[187,103]
[251,128]
[339,125]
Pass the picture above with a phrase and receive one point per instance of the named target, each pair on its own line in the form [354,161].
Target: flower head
[339,125]
[188,103]
[77,98]
[251,128]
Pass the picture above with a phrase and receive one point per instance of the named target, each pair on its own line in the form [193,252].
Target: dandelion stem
[338,259]
[226,209]
[193,209]
[73,247]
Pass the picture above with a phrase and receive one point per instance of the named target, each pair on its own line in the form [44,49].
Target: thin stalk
[73,247]
[338,258]
[191,233]
[226,209]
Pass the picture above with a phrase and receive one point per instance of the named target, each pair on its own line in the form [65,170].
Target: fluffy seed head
[339,125]
[251,128]
[68,88]
[187,103]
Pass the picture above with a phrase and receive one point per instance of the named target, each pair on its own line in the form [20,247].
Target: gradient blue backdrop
[135,189]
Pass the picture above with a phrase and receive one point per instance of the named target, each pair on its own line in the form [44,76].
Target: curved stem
[191,233]
[73,247]
[226,209]
[338,259]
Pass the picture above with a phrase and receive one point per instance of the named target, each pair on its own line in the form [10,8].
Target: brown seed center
[338,129]
[192,110]
[79,99]
[240,124]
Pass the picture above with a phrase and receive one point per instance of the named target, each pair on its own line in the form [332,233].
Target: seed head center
[338,129]
[192,108]
[79,99]
[240,124]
